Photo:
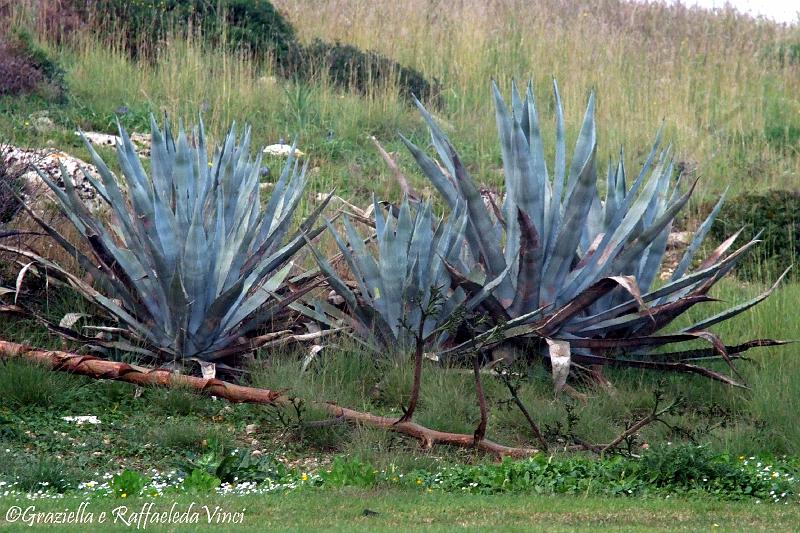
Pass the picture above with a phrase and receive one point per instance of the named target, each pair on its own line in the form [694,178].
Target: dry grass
[710,76]
[728,102]
[713,78]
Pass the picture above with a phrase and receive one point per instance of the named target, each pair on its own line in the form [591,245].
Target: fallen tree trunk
[104,369]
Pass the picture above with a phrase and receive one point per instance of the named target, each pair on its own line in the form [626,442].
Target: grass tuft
[25,384]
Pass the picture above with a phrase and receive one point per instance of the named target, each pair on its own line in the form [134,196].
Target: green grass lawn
[390,510]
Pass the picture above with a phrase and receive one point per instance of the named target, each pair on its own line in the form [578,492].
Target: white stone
[80,420]
[100,139]
[141,141]
[679,239]
[282,150]
[49,162]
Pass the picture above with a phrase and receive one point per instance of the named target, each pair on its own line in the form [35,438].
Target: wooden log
[104,369]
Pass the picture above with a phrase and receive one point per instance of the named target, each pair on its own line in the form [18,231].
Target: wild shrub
[258,25]
[142,26]
[776,214]
[26,67]
[17,74]
[349,67]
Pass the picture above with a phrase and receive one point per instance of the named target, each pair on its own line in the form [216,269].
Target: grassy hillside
[729,103]
[725,86]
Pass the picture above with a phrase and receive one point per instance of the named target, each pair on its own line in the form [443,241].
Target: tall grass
[727,98]
[713,78]
[190,79]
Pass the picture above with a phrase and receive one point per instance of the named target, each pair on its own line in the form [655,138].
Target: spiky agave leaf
[578,259]
[189,260]
[404,292]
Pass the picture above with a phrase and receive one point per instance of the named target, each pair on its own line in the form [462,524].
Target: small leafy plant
[236,466]
[128,483]
[349,472]
[242,466]
[200,481]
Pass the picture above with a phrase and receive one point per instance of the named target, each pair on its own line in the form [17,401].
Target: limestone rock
[282,150]
[141,141]
[49,162]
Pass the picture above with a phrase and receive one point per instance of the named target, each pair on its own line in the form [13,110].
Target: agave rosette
[404,293]
[579,266]
[187,260]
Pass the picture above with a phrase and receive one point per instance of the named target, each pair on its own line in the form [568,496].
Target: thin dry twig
[401,178]
[649,419]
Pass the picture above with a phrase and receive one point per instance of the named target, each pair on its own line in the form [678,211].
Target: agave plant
[402,298]
[580,264]
[187,260]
